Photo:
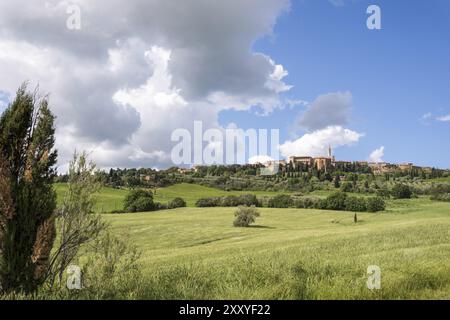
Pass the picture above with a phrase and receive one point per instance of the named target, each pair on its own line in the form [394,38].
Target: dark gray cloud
[327,110]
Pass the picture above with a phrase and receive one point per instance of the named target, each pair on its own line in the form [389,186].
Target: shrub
[306,203]
[355,204]
[336,201]
[280,201]
[229,201]
[177,203]
[401,191]
[347,187]
[245,216]
[383,193]
[111,270]
[248,200]
[441,197]
[117,211]
[160,206]
[321,204]
[142,204]
[440,192]
[375,204]
[208,202]
[139,201]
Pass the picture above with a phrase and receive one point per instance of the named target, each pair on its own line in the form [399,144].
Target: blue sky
[4,100]
[396,75]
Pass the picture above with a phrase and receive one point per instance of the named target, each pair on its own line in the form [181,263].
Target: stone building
[309,161]
[320,163]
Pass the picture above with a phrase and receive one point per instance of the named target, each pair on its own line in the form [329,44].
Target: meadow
[110,199]
[196,253]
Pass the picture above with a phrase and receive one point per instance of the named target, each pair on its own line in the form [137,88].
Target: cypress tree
[27,199]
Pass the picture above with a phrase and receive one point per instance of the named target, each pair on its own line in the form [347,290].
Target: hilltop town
[329,163]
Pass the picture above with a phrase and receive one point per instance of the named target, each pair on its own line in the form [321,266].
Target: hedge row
[337,201]
[229,201]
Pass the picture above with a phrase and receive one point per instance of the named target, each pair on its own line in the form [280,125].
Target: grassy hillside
[292,254]
[108,199]
[192,192]
[112,199]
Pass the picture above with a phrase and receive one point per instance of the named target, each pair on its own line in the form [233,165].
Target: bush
[336,201]
[117,211]
[441,197]
[383,193]
[248,200]
[347,187]
[208,202]
[160,206]
[440,192]
[139,201]
[321,204]
[355,204]
[281,201]
[375,204]
[401,191]
[306,203]
[245,216]
[177,203]
[229,201]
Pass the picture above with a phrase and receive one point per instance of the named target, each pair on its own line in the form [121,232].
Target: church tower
[330,154]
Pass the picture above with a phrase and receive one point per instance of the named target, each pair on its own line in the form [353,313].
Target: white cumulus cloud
[317,142]
[262,159]
[377,155]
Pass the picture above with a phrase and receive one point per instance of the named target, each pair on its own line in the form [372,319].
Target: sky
[137,70]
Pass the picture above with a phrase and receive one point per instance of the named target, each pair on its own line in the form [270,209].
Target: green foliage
[248,200]
[383,193]
[245,216]
[401,191]
[442,197]
[27,199]
[306,203]
[281,201]
[139,201]
[208,202]
[347,187]
[112,270]
[177,203]
[228,201]
[375,204]
[440,192]
[308,256]
[336,201]
[77,224]
[337,182]
[355,204]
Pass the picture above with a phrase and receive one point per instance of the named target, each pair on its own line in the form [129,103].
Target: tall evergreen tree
[27,199]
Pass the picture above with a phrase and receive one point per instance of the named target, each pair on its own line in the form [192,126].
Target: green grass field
[110,199]
[192,192]
[196,253]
